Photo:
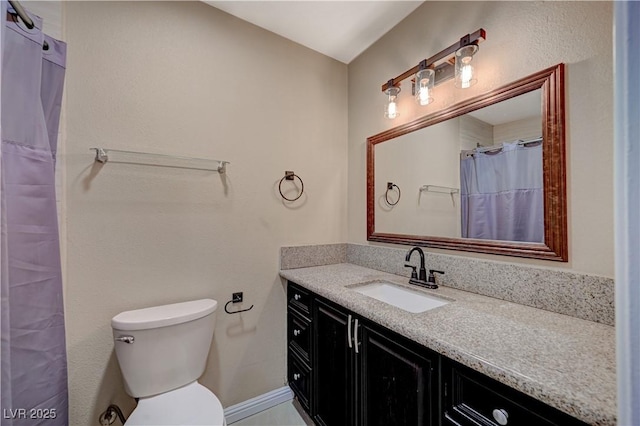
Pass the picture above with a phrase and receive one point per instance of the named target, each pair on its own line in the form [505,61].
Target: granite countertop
[566,362]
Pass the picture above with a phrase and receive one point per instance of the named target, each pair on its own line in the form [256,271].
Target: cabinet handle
[501,416]
[297,296]
[296,376]
[349,330]
[296,332]
[355,327]
[453,422]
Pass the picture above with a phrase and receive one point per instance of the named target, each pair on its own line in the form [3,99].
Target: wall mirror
[485,175]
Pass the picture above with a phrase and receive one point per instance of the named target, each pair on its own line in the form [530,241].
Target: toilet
[162,351]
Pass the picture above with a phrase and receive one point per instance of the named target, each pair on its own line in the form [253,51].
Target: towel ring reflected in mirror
[288,175]
[390,186]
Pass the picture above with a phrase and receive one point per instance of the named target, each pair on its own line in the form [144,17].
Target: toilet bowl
[162,351]
[192,404]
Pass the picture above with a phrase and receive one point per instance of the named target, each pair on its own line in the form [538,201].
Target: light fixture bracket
[391,84]
[441,62]
[466,40]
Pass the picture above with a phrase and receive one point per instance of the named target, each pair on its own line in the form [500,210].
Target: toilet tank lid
[163,316]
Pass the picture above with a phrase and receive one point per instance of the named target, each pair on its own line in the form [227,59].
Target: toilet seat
[192,404]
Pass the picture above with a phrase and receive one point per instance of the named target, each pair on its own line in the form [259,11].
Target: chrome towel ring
[390,186]
[288,175]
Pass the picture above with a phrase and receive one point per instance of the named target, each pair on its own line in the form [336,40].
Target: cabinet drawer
[299,376]
[299,335]
[299,299]
[476,400]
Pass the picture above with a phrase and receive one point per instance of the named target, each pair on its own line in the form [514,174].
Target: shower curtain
[501,194]
[33,356]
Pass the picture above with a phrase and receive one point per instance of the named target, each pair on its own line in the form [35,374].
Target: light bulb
[465,72]
[466,75]
[425,79]
[391,107]
[392,110]
[423,94]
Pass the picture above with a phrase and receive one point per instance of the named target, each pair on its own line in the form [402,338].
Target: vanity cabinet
[347,370]
[361,373]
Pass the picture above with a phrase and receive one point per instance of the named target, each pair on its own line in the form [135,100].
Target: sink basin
[401,297]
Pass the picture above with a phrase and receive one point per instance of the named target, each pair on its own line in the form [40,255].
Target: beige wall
[187,79]
[425,157]
[525,129]
[522,38]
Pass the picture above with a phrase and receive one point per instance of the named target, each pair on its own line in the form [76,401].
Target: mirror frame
[551,81]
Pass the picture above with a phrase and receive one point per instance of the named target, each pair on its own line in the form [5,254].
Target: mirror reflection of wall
[483,183]
[411,161]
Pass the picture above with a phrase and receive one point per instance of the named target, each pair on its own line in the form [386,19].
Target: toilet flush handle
[126,339]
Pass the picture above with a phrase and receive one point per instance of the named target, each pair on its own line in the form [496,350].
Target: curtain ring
[290,176]
[390,186]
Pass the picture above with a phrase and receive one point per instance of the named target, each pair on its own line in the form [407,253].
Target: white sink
[401,297]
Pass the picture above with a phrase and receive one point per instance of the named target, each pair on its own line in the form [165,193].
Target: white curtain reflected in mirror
[501,196]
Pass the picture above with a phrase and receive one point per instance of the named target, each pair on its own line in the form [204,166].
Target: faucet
[421,279]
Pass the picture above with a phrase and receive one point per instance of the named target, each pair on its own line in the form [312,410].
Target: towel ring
[390,186]
[290,176]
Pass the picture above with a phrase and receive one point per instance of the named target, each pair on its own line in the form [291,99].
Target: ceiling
[339,29]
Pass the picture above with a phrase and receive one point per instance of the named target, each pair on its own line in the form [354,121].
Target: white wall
[522,38]
[184,78]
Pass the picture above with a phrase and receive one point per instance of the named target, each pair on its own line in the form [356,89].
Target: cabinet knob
[296,332]
[296,376]
[296,296]
[501,416]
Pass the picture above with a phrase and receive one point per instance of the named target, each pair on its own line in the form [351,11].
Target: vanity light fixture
[391,107]
[454,61]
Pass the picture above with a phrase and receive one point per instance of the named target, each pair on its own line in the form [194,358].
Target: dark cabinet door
[397,382]
[472,399]
[333,366]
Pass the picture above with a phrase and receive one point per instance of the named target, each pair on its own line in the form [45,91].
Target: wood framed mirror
[393,164]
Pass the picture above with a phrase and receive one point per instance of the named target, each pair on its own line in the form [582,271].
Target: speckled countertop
[566,362]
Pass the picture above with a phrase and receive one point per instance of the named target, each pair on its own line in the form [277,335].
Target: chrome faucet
[421,277]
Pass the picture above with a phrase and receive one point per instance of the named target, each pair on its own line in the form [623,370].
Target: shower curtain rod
[538,139]
[28,22]
[22,13]
[499,147]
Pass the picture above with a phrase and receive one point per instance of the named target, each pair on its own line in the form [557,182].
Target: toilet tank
[163,347]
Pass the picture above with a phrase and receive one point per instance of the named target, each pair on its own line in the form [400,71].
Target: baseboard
[255,405]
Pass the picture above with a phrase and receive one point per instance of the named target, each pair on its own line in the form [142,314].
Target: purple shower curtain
[33,358]
[501,194]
